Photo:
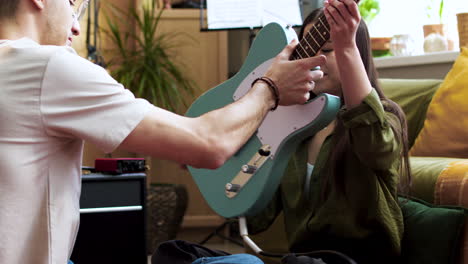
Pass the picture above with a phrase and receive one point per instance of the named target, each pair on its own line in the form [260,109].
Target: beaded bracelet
[273,88]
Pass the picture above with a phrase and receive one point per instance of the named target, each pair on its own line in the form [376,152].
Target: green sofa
[414,96]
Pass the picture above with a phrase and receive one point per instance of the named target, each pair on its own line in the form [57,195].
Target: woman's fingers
[352,8]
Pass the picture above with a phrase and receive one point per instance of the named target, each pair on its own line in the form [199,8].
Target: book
[227,14]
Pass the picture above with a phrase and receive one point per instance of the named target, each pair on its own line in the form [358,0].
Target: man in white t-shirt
[52,100]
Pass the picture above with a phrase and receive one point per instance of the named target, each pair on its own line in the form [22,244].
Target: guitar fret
[313,46]
[318,45]
[308,44]
[305,51]
[320,34]
[300,57]
[324,25]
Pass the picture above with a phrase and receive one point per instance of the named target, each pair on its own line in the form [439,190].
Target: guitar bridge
[247,171]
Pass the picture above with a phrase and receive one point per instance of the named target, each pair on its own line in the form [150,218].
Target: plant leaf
[146,67]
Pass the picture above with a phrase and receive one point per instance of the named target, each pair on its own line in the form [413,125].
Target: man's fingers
[312,62]
[289,49]
[316,75]
[306,97]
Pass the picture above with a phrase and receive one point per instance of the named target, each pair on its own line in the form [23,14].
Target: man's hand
[294,78]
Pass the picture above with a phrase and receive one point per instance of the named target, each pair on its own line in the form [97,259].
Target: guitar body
[278,136]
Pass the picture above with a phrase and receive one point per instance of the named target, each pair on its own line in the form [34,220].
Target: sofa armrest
[452,189]
[443,181]
[452,184]
[426,172]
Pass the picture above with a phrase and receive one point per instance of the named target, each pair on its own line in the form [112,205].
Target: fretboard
[313,40]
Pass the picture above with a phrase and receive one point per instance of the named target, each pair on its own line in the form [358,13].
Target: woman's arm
[344,18]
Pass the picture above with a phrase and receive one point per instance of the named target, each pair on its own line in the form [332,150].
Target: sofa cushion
[451,188]
[444,133]
[432,233]
[426,173]
[409,93]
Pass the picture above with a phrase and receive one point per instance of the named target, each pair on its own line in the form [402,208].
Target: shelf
[404,61]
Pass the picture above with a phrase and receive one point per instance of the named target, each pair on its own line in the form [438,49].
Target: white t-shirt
[51,100]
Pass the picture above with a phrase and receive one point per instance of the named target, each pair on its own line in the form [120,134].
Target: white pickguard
[280,123]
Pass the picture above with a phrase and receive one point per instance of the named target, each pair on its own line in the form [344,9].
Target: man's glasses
[79,12]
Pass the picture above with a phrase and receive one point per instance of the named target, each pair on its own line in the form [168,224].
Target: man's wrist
[274,92]
[262,90]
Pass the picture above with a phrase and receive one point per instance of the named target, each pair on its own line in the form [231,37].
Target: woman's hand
[344,20]
[343,17]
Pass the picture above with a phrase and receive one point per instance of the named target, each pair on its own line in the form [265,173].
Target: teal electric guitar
[245,184]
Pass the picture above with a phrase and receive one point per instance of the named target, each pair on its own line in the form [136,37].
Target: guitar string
[312,35]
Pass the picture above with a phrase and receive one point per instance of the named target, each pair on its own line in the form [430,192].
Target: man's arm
[205,141]
[209,140]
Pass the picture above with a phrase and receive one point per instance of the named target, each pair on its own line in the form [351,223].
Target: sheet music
[252,13]
[284,12]
[234,13]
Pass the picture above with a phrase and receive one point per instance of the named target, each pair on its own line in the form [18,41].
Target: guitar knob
[250,169]
[232,187]
[264,152]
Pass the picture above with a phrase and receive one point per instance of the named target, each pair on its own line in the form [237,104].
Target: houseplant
[434,10]
[369,9]
[143,59]
[435,33]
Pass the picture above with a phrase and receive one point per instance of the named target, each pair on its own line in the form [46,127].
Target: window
[408,17]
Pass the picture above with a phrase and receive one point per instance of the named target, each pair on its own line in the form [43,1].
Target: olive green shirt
[363,220]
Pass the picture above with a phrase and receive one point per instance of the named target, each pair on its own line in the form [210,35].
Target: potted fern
[147,67]
[143,61]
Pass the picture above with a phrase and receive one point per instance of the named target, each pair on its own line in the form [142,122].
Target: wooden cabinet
[204,56]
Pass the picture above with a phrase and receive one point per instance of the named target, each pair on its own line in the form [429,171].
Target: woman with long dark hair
[340,191]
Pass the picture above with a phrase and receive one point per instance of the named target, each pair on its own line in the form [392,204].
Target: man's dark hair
[8,8]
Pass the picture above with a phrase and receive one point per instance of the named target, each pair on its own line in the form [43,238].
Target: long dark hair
[8,8]
[341,141]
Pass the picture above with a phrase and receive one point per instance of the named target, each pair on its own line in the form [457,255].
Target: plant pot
[440,29]
[166,206]
[380,46]
[435,28]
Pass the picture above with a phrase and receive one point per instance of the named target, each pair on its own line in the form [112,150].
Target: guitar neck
[313,40]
